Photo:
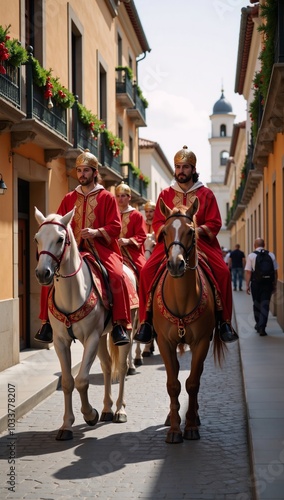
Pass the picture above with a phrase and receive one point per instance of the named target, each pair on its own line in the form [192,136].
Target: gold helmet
[88,159]
[123,188]
[185,155]
[149,205]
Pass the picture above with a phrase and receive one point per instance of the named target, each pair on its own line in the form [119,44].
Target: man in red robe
[149,208]
[96,226]
[133,230]
[183,190]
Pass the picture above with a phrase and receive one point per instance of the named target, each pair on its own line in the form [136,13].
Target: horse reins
[59,260]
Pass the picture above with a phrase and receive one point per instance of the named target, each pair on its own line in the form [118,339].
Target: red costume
[133,228]
[209,220]
[98,210]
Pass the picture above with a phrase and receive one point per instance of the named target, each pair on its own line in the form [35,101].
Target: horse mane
[52,217]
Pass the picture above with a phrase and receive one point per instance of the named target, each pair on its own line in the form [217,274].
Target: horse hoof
[119,418]
[191,434]
[94,421]
[131,371]
[106,416]
[146,354]
[64,435]
[174,438]
[168,421]
[138,362]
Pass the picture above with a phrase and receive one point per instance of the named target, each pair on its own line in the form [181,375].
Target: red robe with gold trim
[133,228]
[208,218]
[98,210]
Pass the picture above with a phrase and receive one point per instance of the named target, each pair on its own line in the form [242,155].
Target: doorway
[23,263]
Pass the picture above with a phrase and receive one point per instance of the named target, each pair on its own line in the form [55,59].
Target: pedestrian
[133,231]
[261,280]
[96,226]
[237,262]
[183,191]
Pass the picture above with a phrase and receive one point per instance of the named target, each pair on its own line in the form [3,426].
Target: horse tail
[219,348]
[114,354]
[181,348]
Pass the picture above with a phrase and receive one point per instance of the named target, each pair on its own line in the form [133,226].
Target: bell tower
[222,122]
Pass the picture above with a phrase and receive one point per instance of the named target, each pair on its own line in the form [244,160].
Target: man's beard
[182,178]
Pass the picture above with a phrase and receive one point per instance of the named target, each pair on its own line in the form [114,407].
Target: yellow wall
[6,216]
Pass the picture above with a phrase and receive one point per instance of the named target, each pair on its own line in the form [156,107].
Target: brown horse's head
[179,237]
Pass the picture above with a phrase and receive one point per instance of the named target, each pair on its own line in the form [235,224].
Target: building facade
[74,88]
[257,203]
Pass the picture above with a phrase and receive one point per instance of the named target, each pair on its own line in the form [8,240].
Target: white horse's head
[149,244]
[52,239]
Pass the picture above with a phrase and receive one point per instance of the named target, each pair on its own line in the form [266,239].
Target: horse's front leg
[168,353]
[63,352]
[90,414]
[131,363]
[120,414]
[105,360]
[192,385]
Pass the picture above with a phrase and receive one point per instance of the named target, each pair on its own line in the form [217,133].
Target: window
[76,57]
[103,94]
[34,27]
[224,155]
[223,131]
[130,148]
[119,50]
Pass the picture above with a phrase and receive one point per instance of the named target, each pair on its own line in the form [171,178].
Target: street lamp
[3,186]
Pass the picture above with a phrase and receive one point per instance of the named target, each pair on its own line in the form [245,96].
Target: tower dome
[222,106]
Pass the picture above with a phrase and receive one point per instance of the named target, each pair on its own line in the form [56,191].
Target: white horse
[80,314]
[149,244]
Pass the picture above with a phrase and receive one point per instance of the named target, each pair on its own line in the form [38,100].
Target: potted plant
[10,50]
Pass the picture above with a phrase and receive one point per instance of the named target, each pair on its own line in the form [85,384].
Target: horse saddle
[100,280]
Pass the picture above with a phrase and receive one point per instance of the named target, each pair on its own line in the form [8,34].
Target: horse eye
[35,240]
[60,239]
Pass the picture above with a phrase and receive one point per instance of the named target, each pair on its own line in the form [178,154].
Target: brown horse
[183,313]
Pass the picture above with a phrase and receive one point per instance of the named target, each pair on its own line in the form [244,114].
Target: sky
[194,48]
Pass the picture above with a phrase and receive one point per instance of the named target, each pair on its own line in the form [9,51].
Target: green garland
[16,55]
[261,80]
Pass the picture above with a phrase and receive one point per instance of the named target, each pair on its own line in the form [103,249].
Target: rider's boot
[227,332]
[144,333]
[44,334]
[119,335]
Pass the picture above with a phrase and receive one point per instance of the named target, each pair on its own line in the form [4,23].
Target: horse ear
[39,216]
[164,208]
[66,219]
[191,211]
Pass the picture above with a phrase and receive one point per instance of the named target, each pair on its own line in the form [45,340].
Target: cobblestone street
[132,460]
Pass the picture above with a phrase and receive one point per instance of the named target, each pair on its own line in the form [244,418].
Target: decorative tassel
[50,103]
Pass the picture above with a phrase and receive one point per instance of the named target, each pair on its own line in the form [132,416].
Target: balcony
[84,139]
[124,90]
[110,168]
[137,114]
[54,117]
[10,98]
[251,177]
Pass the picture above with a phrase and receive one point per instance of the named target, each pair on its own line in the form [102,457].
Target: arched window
[223,131]
[224,155]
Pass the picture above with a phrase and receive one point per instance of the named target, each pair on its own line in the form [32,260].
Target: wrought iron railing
[123,83]
[10,84]
[55,117]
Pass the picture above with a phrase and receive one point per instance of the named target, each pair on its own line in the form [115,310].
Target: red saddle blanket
[100,284]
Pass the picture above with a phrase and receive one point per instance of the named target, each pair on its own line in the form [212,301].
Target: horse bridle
[59,260]
[176,242]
